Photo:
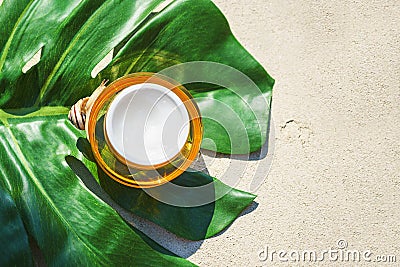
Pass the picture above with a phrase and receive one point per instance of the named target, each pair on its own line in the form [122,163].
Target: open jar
[144,129]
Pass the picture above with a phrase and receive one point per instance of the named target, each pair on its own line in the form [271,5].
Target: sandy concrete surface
[336,113]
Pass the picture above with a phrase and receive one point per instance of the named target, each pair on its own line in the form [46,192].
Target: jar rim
[194,120]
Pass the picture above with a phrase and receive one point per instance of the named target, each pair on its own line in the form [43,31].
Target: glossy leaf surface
[189,31]
[69,223]
[76,35]
[194,223]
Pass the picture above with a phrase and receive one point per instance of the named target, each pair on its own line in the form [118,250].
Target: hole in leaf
[162,5]
[33,61]
[102,64]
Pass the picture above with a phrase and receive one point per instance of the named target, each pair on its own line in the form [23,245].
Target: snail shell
[80,111]
[77,113]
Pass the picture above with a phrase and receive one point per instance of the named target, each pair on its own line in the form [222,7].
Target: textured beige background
[336,113]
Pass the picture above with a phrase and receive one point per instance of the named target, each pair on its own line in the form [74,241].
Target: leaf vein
[10,39]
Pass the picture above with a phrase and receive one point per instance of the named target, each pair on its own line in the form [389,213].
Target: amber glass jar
[144,129]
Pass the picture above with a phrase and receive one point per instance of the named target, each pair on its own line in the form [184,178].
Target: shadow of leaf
[90,182]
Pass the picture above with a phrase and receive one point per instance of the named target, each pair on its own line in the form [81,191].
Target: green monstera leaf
[75,35]
[222,204]
[43,170]
[70,224]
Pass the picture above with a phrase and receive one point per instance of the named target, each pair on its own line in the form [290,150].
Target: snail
[80,110]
